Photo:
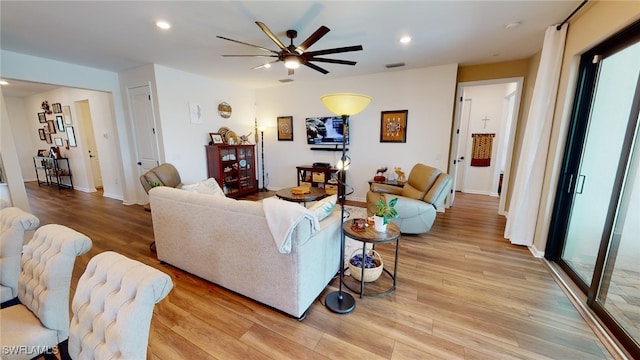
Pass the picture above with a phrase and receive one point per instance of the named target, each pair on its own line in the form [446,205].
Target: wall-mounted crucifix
[485,122]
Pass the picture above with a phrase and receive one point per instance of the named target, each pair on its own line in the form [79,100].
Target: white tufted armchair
[113,306]
[14,222]
[41,321]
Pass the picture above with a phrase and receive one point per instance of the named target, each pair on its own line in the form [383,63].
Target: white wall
[427,93]
[25,125]
[183,142]
[486,101]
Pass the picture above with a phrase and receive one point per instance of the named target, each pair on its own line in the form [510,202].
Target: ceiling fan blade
[333,61]
[316,67]
[264,65]
[244,43]
[317,35]
[271,35]
[250,55]
[311,54]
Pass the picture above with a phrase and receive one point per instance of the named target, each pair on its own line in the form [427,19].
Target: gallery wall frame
[42,135]
[51,127]
[71,136]
[393,126]
[66,113]
[42,117]
[59,123]
[57,108]
[285,128]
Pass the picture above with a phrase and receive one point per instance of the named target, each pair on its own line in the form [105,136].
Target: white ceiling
[119,35]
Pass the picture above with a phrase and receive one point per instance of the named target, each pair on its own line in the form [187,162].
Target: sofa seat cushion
[323,208]
[208,187]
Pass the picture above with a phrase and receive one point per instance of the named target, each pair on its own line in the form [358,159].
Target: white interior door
[144,127]
[89,141]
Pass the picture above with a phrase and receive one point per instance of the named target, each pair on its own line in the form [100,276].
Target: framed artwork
[216,138]
[48,137]
[43,153]
[51,127]
[42,135]
[57,141]
[71,136]
[285,128]
[59,123]
[42,117]
[57,108]
[66,113]
[393,126]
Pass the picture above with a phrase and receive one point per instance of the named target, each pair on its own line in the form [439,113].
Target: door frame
[453,155]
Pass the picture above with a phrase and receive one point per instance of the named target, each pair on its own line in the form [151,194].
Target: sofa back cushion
[420,180]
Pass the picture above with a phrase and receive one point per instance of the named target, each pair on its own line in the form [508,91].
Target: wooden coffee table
[315,193]
[371,236]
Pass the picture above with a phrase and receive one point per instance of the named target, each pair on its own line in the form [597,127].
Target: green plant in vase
[385,211]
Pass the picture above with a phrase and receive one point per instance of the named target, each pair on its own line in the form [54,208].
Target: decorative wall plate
[224,110]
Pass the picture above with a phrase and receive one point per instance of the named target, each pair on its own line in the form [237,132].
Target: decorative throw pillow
[324,207]
[209,187]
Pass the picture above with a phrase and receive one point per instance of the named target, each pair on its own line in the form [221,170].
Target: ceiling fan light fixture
[291,62]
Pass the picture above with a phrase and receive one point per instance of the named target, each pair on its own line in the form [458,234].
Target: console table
[322,177]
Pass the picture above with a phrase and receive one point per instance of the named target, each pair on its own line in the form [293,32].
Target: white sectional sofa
[229,243]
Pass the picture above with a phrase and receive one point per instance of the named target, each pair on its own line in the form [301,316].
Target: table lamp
[345,105]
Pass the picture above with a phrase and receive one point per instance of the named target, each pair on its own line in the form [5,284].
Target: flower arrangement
[45,106]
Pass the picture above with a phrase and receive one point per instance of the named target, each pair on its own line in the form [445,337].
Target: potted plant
[384,212]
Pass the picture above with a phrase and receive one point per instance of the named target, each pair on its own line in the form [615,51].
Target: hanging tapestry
[481,149]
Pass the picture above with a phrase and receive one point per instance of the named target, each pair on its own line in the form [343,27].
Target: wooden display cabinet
[234,167]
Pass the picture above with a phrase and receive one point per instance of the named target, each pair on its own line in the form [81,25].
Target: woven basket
[370,274]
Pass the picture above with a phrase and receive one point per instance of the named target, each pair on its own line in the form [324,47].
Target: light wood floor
[463,293]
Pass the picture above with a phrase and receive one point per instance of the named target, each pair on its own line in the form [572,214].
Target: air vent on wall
[285,80]
[391,66]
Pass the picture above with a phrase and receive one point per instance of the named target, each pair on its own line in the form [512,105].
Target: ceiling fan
[294,56]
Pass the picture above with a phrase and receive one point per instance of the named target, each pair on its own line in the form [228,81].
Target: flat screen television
[325,130]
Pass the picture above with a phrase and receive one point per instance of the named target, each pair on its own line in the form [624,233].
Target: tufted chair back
[113,306]
[14,222]
[45,280]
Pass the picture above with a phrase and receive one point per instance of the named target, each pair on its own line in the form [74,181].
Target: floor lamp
[344,105]
[261,129]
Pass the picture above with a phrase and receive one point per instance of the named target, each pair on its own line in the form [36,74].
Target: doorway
[83,111]
[485,110]
[595,224]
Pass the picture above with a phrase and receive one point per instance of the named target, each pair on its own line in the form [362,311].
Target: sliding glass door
[596,221]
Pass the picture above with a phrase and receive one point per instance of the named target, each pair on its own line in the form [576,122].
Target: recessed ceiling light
[4,82]
[164,25]
[405,39]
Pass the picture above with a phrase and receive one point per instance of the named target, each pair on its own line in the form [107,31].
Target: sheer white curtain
[525,199]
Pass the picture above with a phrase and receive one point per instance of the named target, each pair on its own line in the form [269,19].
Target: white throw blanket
[282,217]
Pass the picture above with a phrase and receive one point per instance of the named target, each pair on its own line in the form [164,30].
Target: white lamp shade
[345,103]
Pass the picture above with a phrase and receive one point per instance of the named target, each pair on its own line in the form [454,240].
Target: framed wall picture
[42,117]
[51,127]
[57,108]
[59,123]
[66,113]
[42,135]
[57,141]
[71,136]
[216,138]
[393,126]
[48,137]
[285,128]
